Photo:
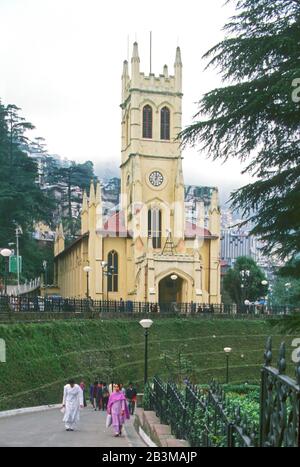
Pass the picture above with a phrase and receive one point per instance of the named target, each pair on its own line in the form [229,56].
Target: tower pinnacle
[135,65]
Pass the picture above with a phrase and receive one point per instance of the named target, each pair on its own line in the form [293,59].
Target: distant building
[43,233]
[235,243]
[197,203]
[227,220]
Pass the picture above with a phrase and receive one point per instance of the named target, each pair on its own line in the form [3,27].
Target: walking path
[46,429]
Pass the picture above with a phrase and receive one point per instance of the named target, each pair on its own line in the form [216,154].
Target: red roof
[115,226]
[191,231]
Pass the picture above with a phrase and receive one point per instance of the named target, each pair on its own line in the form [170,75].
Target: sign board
[13,267]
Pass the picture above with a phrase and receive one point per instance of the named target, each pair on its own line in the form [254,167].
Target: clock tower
[152,187]
[147,255]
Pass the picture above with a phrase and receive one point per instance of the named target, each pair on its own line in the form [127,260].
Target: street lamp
[45,274]
[245,274]
[87,269]
[288,287]
[107,271]
[146,324]
[264,283]
[174,278]
[247,304]
[6,252]
[227,351]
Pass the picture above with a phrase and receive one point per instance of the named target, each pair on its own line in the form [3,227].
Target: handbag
[108,420]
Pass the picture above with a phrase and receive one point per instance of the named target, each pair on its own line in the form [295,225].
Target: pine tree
[22,202]
[67,179]
[255,116]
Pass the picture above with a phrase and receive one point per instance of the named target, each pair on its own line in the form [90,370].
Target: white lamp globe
[146,323]
[6,252]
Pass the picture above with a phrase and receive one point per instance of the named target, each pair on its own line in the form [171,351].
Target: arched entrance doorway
[171,289]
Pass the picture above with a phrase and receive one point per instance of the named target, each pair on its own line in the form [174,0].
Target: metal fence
[72,305]
[204,419]
[207,418]
[280,402]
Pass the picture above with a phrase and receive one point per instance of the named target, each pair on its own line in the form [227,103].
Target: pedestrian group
[118,402]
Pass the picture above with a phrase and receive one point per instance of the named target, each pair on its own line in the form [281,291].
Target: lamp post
[245,274]
[6,252]
[87,269]
[247,303]
[288,287]
[227,351]
[107,271]
[18,233]
[270,298]
[146,324]
[46,278]
[174,278]
[264,283]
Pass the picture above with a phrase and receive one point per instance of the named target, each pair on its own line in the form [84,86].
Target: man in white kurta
[72,401]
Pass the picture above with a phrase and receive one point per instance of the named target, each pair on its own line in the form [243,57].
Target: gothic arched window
[165,123]
[147,122]
[112,271]
[154,226]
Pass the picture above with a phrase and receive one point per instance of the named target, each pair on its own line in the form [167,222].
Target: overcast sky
[61,62]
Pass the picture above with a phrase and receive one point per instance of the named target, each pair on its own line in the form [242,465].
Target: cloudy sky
[61,62]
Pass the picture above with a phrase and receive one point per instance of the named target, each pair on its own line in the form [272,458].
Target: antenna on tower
[128,48]
[150,52]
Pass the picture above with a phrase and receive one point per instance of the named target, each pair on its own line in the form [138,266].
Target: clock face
[156,178]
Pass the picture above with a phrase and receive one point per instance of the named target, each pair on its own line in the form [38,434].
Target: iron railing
[159,400]
[207,418]
[73,305]
[280,402]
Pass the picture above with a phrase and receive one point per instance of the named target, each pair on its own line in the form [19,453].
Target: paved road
[46,428]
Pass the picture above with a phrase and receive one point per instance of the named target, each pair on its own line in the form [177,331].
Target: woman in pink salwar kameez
[117,407]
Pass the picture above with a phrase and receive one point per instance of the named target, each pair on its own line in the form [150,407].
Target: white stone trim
[41,408]
[146,438]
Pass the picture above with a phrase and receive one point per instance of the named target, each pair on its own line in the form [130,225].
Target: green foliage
[247,287]
[41,357]
[68,178]
[292,268]
[288,324]
[285,291]
[248,403]
[251,389]
[178,364]
[254,117]
[22,202]
[244,397]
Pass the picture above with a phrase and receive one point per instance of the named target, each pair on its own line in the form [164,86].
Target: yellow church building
[146,252]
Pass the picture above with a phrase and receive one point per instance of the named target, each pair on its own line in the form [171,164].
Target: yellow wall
[71,277]
[196,262]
